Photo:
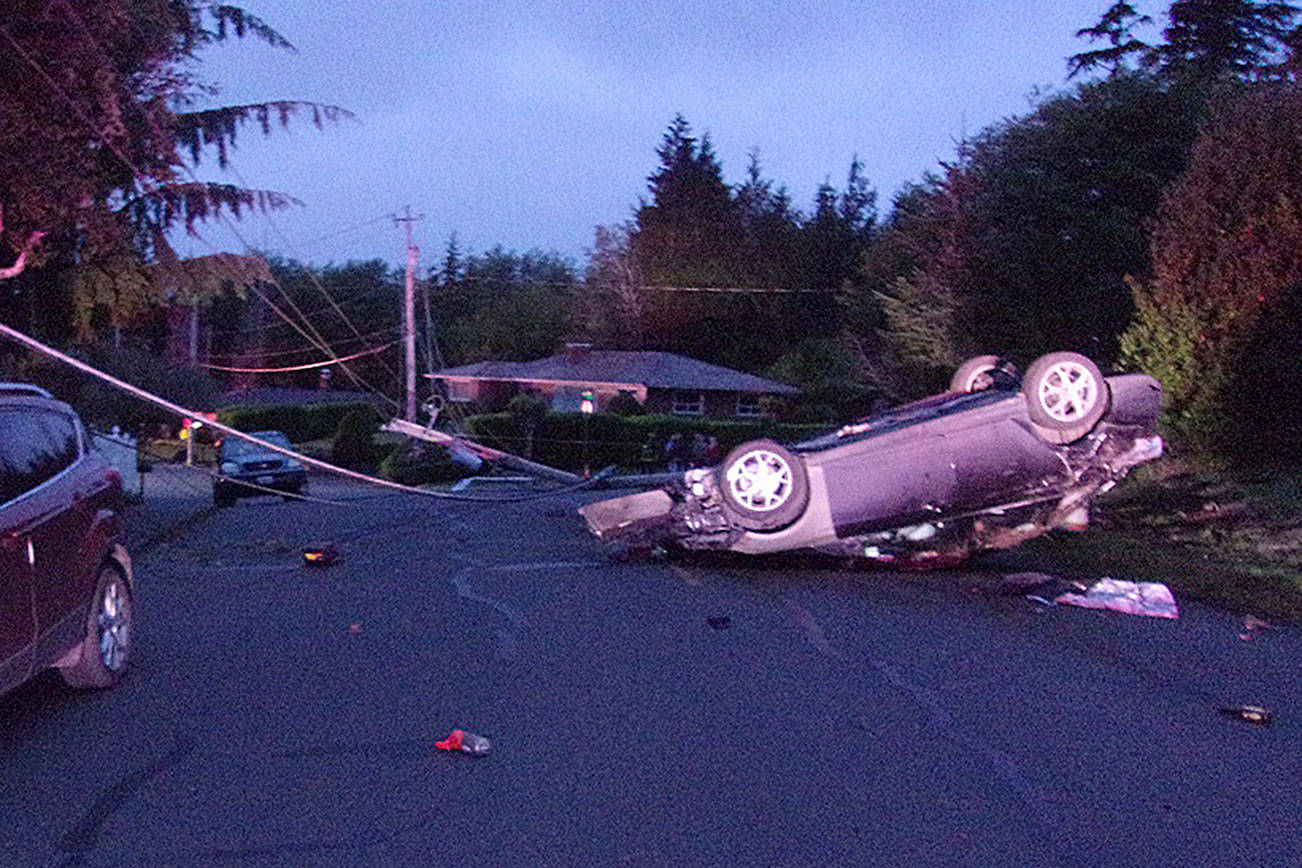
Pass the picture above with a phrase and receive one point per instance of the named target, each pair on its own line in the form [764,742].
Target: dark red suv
[66,585]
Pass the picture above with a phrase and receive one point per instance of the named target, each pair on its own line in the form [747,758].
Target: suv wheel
[106,650]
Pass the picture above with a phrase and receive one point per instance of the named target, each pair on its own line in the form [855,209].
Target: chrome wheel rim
[760,480]
[1067,391]
[114,623]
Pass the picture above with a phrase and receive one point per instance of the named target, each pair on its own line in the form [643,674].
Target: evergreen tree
[688,233]
[1117,27]
[1208,40]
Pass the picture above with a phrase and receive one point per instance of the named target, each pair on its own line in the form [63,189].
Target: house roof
[652,369]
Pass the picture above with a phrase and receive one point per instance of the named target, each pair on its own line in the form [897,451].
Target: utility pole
[409,313]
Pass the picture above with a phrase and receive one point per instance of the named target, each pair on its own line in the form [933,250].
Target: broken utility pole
[409,315]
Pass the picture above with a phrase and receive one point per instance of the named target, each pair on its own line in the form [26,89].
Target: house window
[460,392]
[689,404]
[748,406]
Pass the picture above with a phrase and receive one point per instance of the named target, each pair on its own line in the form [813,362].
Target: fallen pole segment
[506,459]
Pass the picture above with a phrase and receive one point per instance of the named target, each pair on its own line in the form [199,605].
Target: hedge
[572,440]
[300,422]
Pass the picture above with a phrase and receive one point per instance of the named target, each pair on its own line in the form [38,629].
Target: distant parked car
[246,469]
[66,585]
[996,460]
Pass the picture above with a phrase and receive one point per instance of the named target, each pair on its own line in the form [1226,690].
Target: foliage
[1117,27]
[625,404]
[503,305]
[93,122]
[1249,40]
[354,442]
[415,463]
[100,404]
[299,422]
[1227,274]
[826,374]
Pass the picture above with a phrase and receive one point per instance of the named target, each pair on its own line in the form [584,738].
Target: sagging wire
[305,367]
[312,278]
[138,176]
[184,412]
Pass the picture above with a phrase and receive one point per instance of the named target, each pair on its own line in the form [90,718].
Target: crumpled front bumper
[648,513]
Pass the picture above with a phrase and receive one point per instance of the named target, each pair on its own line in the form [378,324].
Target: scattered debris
[459,739]
[1028,581]
[1253,714]
[1152,599]
[719,622]
[1251,626]
[320,555]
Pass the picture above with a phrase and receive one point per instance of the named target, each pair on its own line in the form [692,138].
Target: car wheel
[983,372]
[764,485]
[106,650]
[1065,393]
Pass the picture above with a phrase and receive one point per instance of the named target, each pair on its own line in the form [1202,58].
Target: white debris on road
[1152,599]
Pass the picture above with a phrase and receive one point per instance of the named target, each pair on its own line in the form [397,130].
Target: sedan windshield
[233,447]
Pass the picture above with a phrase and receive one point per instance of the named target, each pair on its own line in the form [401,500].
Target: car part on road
[1253,714]
[1152,599]
[320,555]
[475,745]
[719,622]
[764,485]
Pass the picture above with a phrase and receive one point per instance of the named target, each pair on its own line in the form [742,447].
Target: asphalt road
[641,712]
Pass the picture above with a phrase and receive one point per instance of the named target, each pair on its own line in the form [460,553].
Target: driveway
[641,712]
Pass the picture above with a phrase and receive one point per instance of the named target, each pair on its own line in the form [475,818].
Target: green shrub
[300,422]
[354,441]
[418,463]
[624,404]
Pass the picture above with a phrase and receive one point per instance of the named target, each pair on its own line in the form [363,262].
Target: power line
[140,178]
[307,367]
[184,412]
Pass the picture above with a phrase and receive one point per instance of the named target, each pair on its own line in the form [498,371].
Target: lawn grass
[1230,536]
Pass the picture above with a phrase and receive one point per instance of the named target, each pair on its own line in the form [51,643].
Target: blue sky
[527,124]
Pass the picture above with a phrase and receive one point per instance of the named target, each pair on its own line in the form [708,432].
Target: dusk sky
[528,124]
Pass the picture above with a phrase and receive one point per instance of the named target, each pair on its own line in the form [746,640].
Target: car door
[17,622]
[62,576]
[17,618]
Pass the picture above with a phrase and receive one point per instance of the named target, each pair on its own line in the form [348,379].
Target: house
[584,379]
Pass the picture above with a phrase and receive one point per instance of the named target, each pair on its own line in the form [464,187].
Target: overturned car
[997,460]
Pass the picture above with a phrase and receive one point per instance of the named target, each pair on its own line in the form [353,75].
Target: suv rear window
[35,445]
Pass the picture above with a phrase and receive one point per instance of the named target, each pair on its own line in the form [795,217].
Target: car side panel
[884,485]
[61,581]
[999,462]
[17,623]
[967,460]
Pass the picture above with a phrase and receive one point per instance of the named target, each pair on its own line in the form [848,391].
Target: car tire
[1066,395]
[106,650]
[764,486]
[975,375]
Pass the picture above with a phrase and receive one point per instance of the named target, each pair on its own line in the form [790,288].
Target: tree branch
[21,262]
